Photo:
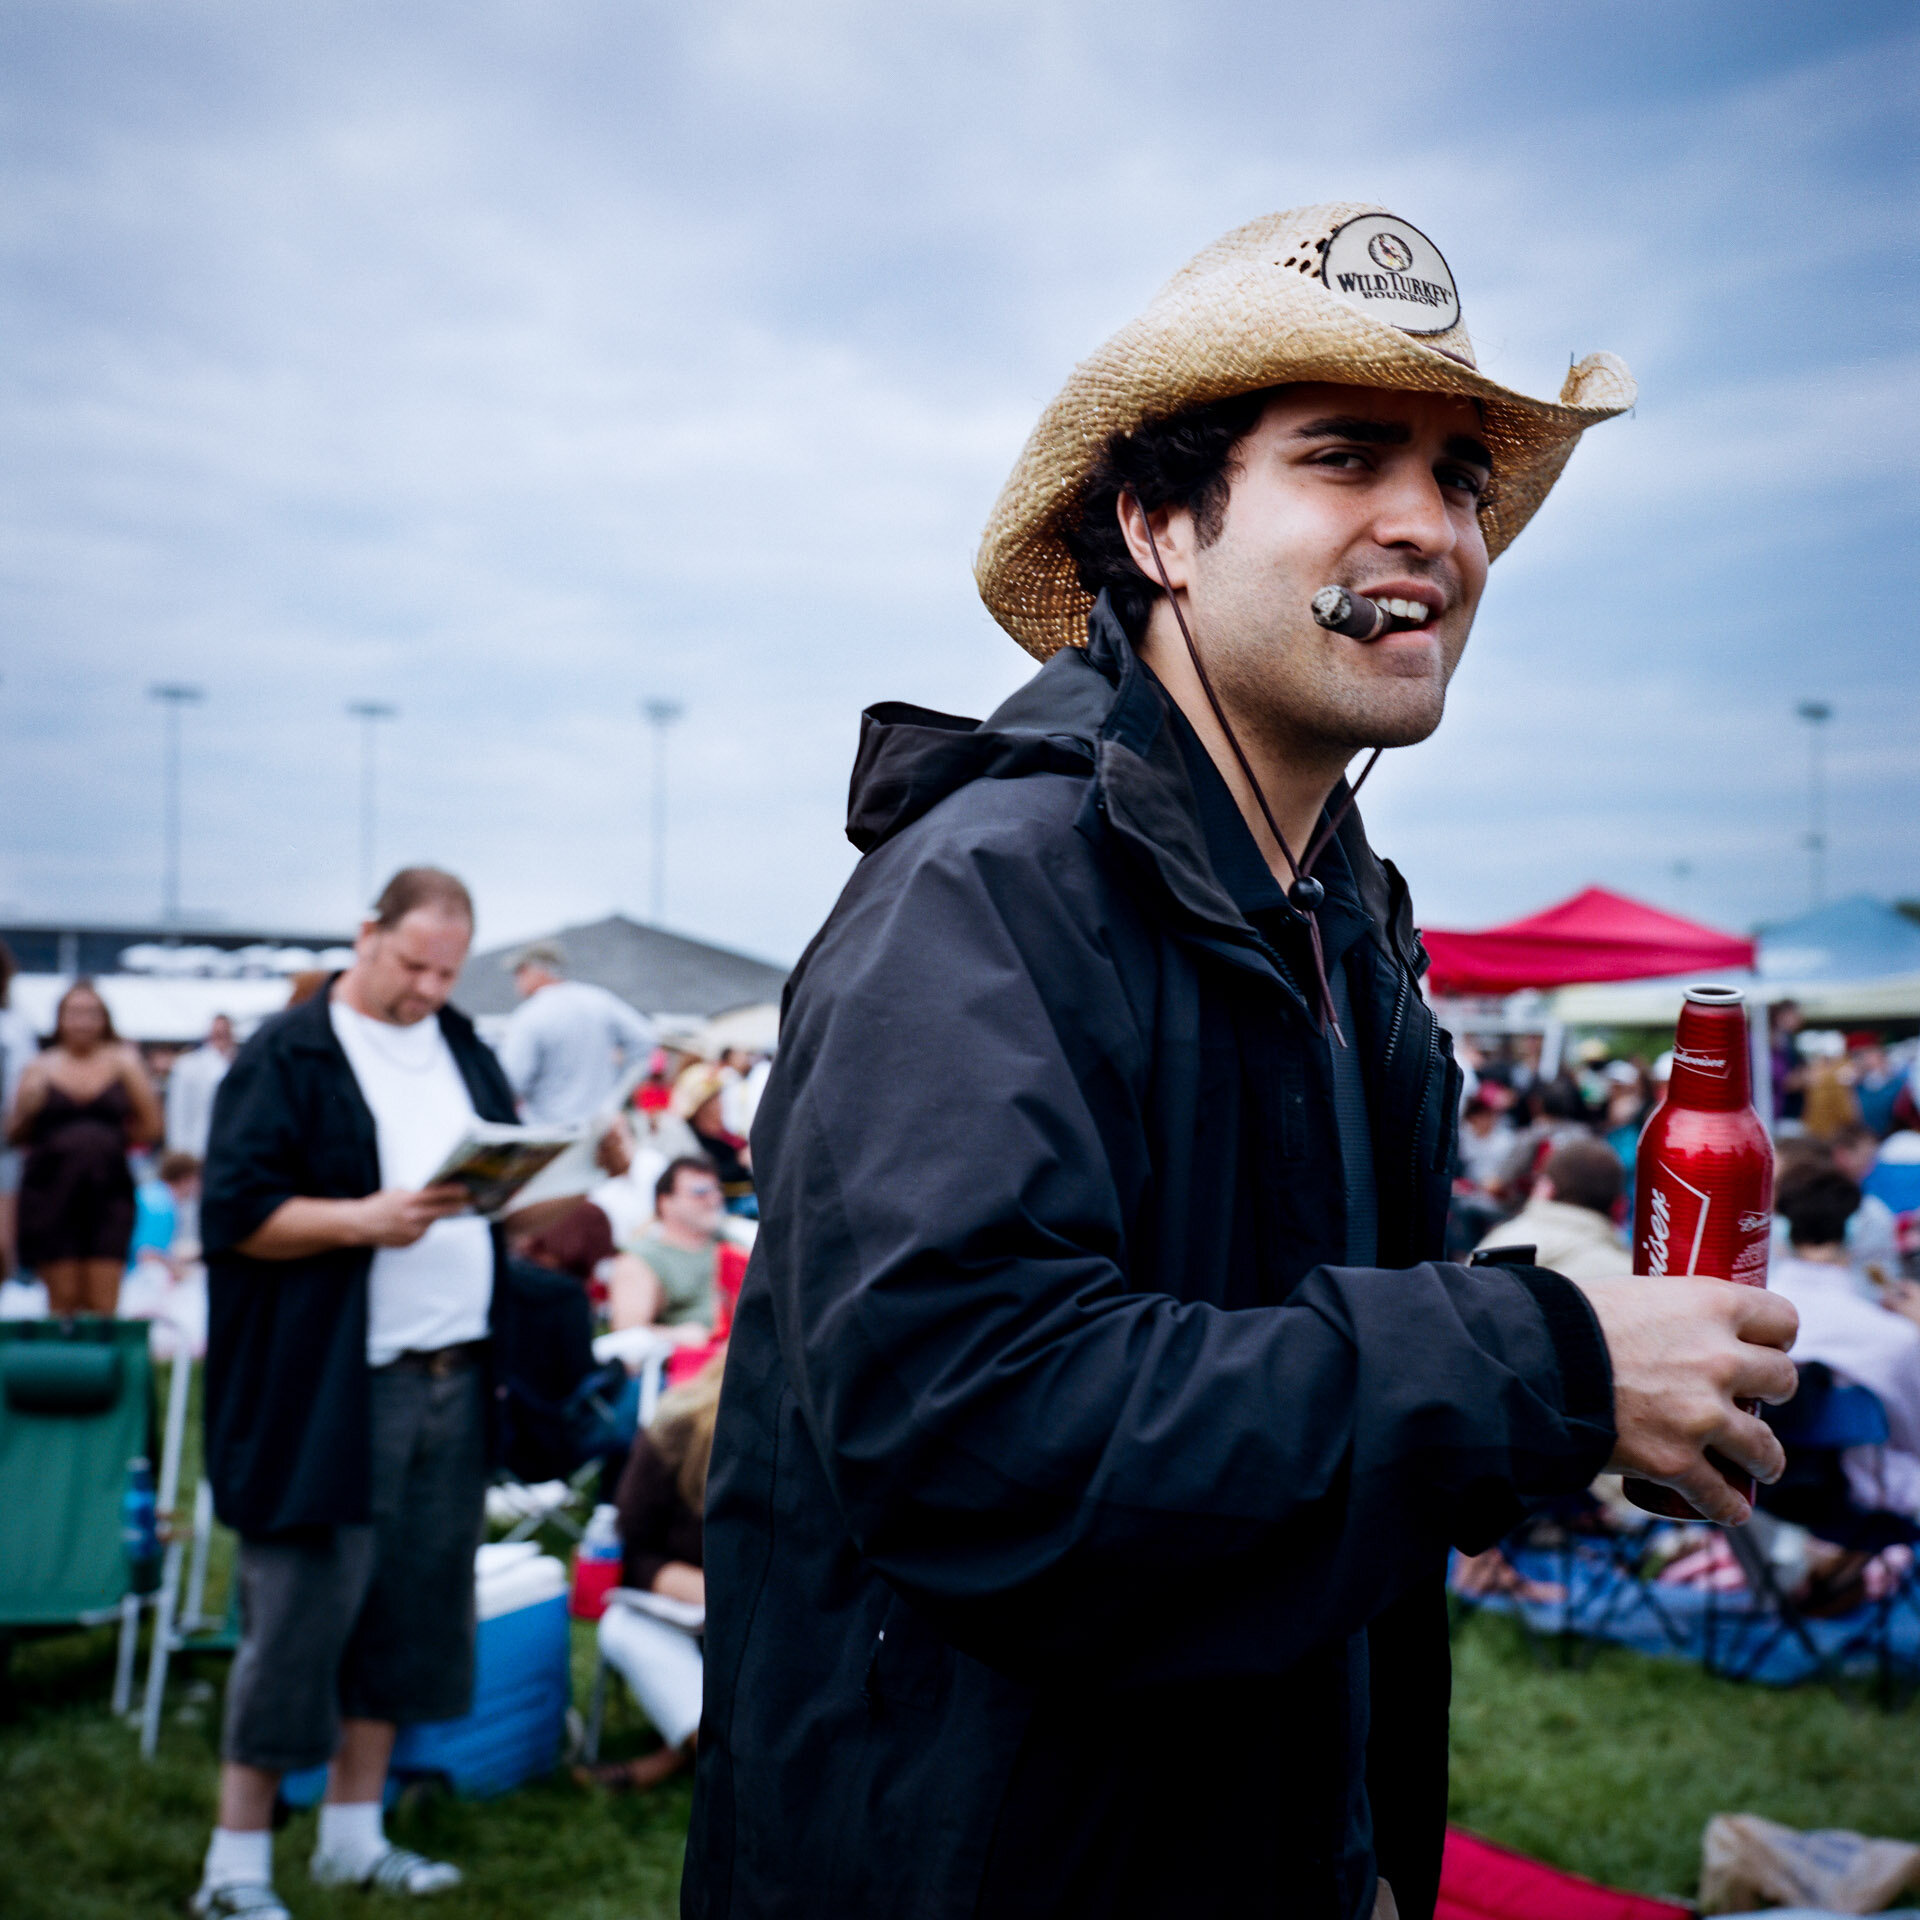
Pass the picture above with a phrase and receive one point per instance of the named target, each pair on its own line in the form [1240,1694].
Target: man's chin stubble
[1361,724]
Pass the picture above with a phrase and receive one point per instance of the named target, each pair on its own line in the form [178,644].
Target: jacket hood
[911,758]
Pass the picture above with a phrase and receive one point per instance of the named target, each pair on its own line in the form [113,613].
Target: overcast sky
[514,361]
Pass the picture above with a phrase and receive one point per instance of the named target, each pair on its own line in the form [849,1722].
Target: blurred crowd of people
[102,1141]
[1836,1098]
[1546,1160]
[101,1172]
[100,1202]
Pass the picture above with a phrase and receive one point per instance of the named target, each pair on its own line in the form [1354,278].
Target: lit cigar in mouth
[1341,611]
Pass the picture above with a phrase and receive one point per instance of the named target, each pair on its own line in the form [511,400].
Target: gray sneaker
[241,1900]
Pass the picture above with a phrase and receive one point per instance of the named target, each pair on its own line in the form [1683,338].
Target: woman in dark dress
[81,1104]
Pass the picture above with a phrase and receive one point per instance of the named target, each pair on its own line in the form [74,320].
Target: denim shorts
[369,1622]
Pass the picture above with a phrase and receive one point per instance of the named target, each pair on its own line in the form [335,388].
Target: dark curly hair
[1185,460]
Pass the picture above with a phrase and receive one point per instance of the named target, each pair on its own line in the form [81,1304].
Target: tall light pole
[172,695]
[369,713]
[661,714]
[1816,713]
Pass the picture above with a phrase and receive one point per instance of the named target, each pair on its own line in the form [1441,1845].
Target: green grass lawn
[1611,1771]
[1615,1770]
[88,1831]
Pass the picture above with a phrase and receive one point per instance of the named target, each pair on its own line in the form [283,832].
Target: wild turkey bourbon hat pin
[1392,272]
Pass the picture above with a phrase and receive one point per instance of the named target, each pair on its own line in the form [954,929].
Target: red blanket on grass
[1479,1881]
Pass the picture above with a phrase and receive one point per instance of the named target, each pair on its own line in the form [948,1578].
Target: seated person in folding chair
[1875,1343]
[347,1373]
[1568,1221]
[662,1495]
[682,1276]
[1568,1218]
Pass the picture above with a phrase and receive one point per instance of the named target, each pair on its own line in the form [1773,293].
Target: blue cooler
[521,1686]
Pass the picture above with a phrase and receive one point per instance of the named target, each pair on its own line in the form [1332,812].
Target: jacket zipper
[1399,1021]
[1403,1001]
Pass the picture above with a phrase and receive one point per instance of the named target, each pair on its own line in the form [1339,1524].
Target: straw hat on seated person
[699,1082]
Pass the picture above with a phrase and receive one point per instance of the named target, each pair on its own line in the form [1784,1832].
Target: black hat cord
[1306,893]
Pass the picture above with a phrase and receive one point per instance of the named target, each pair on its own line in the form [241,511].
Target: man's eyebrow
[1390,433]
[1356,426]
[1463,446]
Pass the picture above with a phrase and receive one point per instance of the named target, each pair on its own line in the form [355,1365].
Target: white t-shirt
[195,1079]
[435,1293]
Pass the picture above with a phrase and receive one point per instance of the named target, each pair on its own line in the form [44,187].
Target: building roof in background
[85,946]
[655,971]
[1859,938]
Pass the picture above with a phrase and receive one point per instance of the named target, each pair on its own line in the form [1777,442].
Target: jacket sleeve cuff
[238,1217]
[1586,1372]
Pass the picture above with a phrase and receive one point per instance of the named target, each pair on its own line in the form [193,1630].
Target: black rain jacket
[288,1400]
[1077,1521]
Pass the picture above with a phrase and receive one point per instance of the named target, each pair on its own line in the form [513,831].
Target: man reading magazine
[350,1298]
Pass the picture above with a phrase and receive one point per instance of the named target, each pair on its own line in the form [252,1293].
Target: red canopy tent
[1596,935]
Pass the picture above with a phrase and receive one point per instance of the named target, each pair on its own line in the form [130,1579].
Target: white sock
[351,1833]
[239,1859]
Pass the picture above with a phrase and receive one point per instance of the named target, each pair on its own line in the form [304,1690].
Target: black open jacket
[287,1395]
[1077,1521]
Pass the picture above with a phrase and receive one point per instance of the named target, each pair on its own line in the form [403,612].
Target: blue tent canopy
[1859,938]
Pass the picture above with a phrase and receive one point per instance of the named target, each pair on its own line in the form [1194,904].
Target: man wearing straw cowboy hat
[1099,1414]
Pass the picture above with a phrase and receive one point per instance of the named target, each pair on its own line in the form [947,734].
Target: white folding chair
[180,1620]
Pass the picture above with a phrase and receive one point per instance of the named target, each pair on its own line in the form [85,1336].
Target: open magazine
[494,1160]
[578,1169]
[504,1165]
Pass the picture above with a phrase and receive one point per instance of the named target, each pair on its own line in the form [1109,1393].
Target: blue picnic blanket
[1729,1633]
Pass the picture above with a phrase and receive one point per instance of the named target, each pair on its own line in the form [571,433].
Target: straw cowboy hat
[1349,294]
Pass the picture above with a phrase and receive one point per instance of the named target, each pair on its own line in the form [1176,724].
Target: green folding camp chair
[76,1406]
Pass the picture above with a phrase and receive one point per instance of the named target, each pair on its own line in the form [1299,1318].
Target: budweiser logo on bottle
[1703,1178]
[1713,1063]
[1678,1216]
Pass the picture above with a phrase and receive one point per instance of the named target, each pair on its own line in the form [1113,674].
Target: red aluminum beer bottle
[1703,1180]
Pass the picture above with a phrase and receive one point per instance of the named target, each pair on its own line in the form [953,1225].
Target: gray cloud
[514,362]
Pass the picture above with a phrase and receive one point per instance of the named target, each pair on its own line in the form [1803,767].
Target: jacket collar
[308,1028]
[1150,804]
[1096,710]
[1138,718]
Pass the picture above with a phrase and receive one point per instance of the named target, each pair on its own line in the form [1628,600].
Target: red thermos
[1703,1179]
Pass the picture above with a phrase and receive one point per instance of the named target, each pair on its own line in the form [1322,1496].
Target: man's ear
[1172,533]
